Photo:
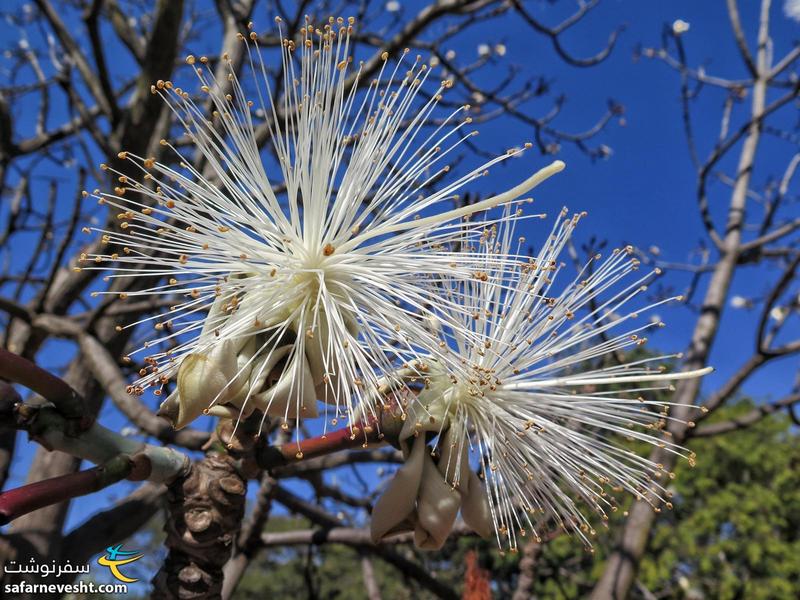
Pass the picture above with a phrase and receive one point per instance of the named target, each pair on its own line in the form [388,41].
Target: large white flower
[302,277]
[527,382]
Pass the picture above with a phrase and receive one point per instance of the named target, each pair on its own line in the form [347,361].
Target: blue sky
[644,193]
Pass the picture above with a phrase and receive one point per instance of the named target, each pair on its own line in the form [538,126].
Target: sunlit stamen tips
[313,292]
[484,205]
[542,418]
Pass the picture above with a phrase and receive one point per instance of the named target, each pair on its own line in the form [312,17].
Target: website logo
[116,557]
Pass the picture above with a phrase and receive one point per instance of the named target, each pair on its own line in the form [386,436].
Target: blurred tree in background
[75,91]
[734,532]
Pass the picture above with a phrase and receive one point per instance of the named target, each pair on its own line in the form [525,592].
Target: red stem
[20,370]
[22,500]
[335,441]
[341,439]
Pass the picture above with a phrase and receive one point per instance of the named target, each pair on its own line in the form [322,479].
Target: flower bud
[204,379]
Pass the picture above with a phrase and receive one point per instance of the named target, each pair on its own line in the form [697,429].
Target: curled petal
[204,379]
[422,418]
[262,371]
[437,508]
[324,367]
[474,502]
[397,506]
[475,507]
[293,395]
[454,462]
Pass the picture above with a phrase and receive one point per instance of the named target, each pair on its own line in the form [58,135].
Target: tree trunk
[620,570]
[206,508]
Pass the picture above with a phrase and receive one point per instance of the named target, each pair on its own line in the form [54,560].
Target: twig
[23,500]
[359,435]
[19,370]
[746,419]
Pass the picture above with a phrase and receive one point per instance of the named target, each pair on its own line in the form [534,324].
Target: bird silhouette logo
[115,557]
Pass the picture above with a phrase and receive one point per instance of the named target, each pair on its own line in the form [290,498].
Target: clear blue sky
[644,193]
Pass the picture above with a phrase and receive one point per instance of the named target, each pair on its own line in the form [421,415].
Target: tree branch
[747,419]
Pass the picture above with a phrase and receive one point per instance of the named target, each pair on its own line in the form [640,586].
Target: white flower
[778,313]
[313,293]
[524,385]
[741,302]
[483,49]
[500,49]
[422,497]
[425,496]
[392,6]
[679,27]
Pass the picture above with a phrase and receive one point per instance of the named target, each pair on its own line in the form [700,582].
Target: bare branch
[554,33]
[114,524]
[746,420]
[71,46]
[370,582]
[738,34]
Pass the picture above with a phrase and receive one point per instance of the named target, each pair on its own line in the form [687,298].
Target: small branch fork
[23,372]
[62,426]
[206,507]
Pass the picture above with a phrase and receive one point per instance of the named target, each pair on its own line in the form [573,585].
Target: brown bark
[249,542]
[206,508]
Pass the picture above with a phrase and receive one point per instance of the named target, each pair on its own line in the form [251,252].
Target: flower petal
[454,462]
[293,395]
[437,508]
[475,508]
[398,502]
[203,379]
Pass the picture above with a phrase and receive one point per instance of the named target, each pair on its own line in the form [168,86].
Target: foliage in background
[734,532]
[76,91]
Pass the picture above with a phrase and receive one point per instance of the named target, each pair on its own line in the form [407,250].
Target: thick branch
[206,508]
[28,498]
[19,370]
[54,431]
